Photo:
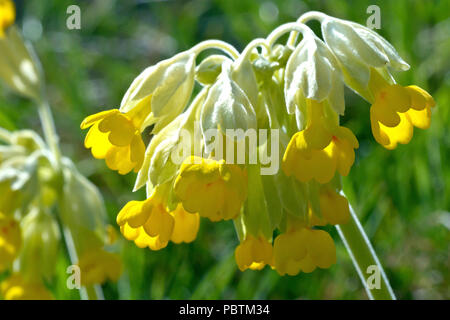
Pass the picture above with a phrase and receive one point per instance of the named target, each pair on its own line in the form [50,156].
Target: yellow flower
[97,266]
[214,189]
[141,238]
[320,149]
[303,250]
[16,288]
[186,225]
[396,110]
[10,240]
[149,224]
[253,253]
[7,15]
[116,137]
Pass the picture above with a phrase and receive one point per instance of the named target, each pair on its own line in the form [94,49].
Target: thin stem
[288,27]
[216,44]
[304,18]
[365,259]
[48,126]
[52,140]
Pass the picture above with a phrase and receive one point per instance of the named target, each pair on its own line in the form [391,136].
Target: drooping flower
[212,188]
[7,15]
[10,240]
[149,223]
[365,57]
[16,288]
[396,110]
[303,250]
[319,150]
[253,253]
[116,137]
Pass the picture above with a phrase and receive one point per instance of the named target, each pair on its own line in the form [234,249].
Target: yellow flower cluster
[295,93]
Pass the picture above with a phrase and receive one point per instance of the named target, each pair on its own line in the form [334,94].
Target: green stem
[52,140]
[365,259]
[216,44]
[48,126]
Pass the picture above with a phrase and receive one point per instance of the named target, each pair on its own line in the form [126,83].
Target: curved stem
[260,42]
[304,18]
[288,27]
[216,44]
[365,259]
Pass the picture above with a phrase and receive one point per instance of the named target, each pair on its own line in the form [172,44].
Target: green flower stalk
[45,194]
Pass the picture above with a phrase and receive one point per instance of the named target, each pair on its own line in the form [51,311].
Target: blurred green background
[402,197]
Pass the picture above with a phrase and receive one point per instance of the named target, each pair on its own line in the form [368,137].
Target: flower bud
[41,238]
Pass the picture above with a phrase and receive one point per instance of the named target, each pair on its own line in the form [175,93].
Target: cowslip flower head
[319,150]
[10,240]
[253,253]
[16,288]
[7,15]
[116,137]
[98,265]
[290,96]
[214,189]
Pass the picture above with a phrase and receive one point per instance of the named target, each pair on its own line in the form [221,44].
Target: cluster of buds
[38,203]
[205,159]
[43,197]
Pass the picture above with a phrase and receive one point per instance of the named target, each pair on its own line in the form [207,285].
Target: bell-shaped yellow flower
[303,250]
[396,110]
[16,288]
[253,253]
[97,266]
[10,240]
[214,189]
[320,149]
[7,15]
[116,137]
[186,225]
[147,221]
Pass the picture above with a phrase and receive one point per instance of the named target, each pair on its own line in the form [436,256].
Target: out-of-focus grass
[401,196]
